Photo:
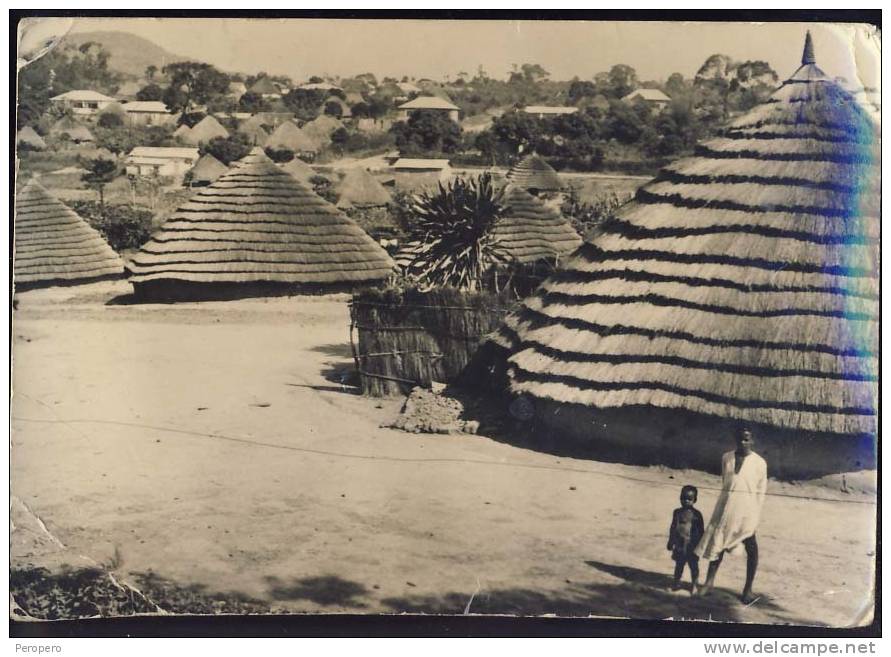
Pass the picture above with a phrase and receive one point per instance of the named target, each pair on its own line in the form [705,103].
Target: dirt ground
[213,449]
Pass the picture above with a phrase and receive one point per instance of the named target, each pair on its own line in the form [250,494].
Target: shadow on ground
[337,350]
[179,598]
[326,590]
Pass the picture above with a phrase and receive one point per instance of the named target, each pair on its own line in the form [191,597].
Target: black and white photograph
[427,317]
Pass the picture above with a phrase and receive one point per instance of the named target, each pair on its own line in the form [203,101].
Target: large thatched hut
[205,130]
[740,286]
[530,231]
[534,175]
[360,189]
[255,231]
[321,128]
[55,246]
[299,169]
[255,133]
[206,170]
[289,136]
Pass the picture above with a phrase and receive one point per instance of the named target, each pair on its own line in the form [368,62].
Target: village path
[212,446]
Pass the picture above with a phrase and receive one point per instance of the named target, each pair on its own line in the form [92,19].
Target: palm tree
[451,236]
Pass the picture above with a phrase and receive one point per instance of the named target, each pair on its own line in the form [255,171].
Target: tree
[150,92]
[333,109]
[315,79]
[110,120]
[340,137]
[304,103]
[676,85]
[453,228]
[517,129]
[622,80]
[117,140]
[579,89]
[150,71]
[228,149]
[279,154]
[253,103]
[427,132]
[193,83]
[360,110]
[534,72]
[100,172]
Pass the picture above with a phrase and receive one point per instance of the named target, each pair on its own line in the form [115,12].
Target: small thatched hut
[55,246]
[29,136]
[299,169]
[321,128]
[360,189]
[255,133]
[531,231]
[256,231]
[182,132]
[740,286]
[205,130]
[206,170]
[289,136]
[534,175]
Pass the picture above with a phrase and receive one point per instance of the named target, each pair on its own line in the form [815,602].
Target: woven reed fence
[408,338]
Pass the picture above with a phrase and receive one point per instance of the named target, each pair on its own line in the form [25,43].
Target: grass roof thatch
[256,223]
[255,133]
[532,172]
[207,169]
[299,169]
[530,230]
[742,283]
[289,136]
[205,130]
[321,128]
[54,245]
[182,131]
[360,189]
[28,135]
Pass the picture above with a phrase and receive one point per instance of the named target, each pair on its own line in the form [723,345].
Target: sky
[439,48]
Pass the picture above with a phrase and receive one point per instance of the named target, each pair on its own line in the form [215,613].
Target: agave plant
[451,238]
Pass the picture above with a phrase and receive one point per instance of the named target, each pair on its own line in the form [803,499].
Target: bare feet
[704,590]
[694,589]
[676,585]
[748,597]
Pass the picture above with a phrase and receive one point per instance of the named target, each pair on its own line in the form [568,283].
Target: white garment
[738,509]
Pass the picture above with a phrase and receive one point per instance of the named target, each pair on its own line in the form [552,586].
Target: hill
[130,54]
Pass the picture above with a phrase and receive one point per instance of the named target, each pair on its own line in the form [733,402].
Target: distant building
[237,89]
[408,88]
[320,86]
[148,161]
[542,111]
[429,104]
[266,88]
[652,97]
[82,102]
[147,112]
[419,165]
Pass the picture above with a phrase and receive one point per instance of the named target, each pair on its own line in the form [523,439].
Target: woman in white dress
[737,512]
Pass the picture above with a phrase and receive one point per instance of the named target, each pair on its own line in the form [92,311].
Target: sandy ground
[213,445]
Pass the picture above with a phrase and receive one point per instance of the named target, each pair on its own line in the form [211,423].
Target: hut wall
[167,290]
[415,338]
[681,439]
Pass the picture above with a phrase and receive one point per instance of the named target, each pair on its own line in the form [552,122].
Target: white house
[542,111]
[429,104]
[147,112]
[82,102]
[150,161]
[422,165]
[652,97]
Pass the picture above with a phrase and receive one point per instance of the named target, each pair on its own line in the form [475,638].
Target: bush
[279,154]
[110,120]
[122,226]
[150,92]
[228,149]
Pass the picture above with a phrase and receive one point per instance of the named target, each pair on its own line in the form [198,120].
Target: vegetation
[192,83]
[427,132]
[150,92]
[99,173]
[454,225]
[227,149]
[122,226]
[279,154]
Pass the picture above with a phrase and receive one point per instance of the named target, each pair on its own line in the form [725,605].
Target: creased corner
[38,36]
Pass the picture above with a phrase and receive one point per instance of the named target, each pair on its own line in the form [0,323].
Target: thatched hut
[29,136]
[534,175]
[182,132]
[256,231]
[205,130]
[740,286]
[321,128]
[530,231]
[207,170]
[299,169]
[289,136]
[360,189]
[55,246]
[255,133]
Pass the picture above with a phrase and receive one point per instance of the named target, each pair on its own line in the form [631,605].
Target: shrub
[122,226]
[110,120]
[279,154]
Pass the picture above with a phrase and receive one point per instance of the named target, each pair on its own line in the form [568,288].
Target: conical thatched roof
[207,169]
[256,223]
[289,136]
[360,189]
[530,230]
[28,135]
[182,131]
[255,133]
[741,284]
[532,172]
[321,128]
[78,134]
[299,169]
[55,245]
[205,130]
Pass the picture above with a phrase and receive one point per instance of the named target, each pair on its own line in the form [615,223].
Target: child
[686,530]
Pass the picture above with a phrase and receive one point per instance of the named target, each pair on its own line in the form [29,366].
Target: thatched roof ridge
[530,230]
[54,244]
[257,223]
[360,189]
[532,172]
[741,283]
[322,126]
[207,169]
[254,132]
[299,169]
[289,136]
[205,130]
